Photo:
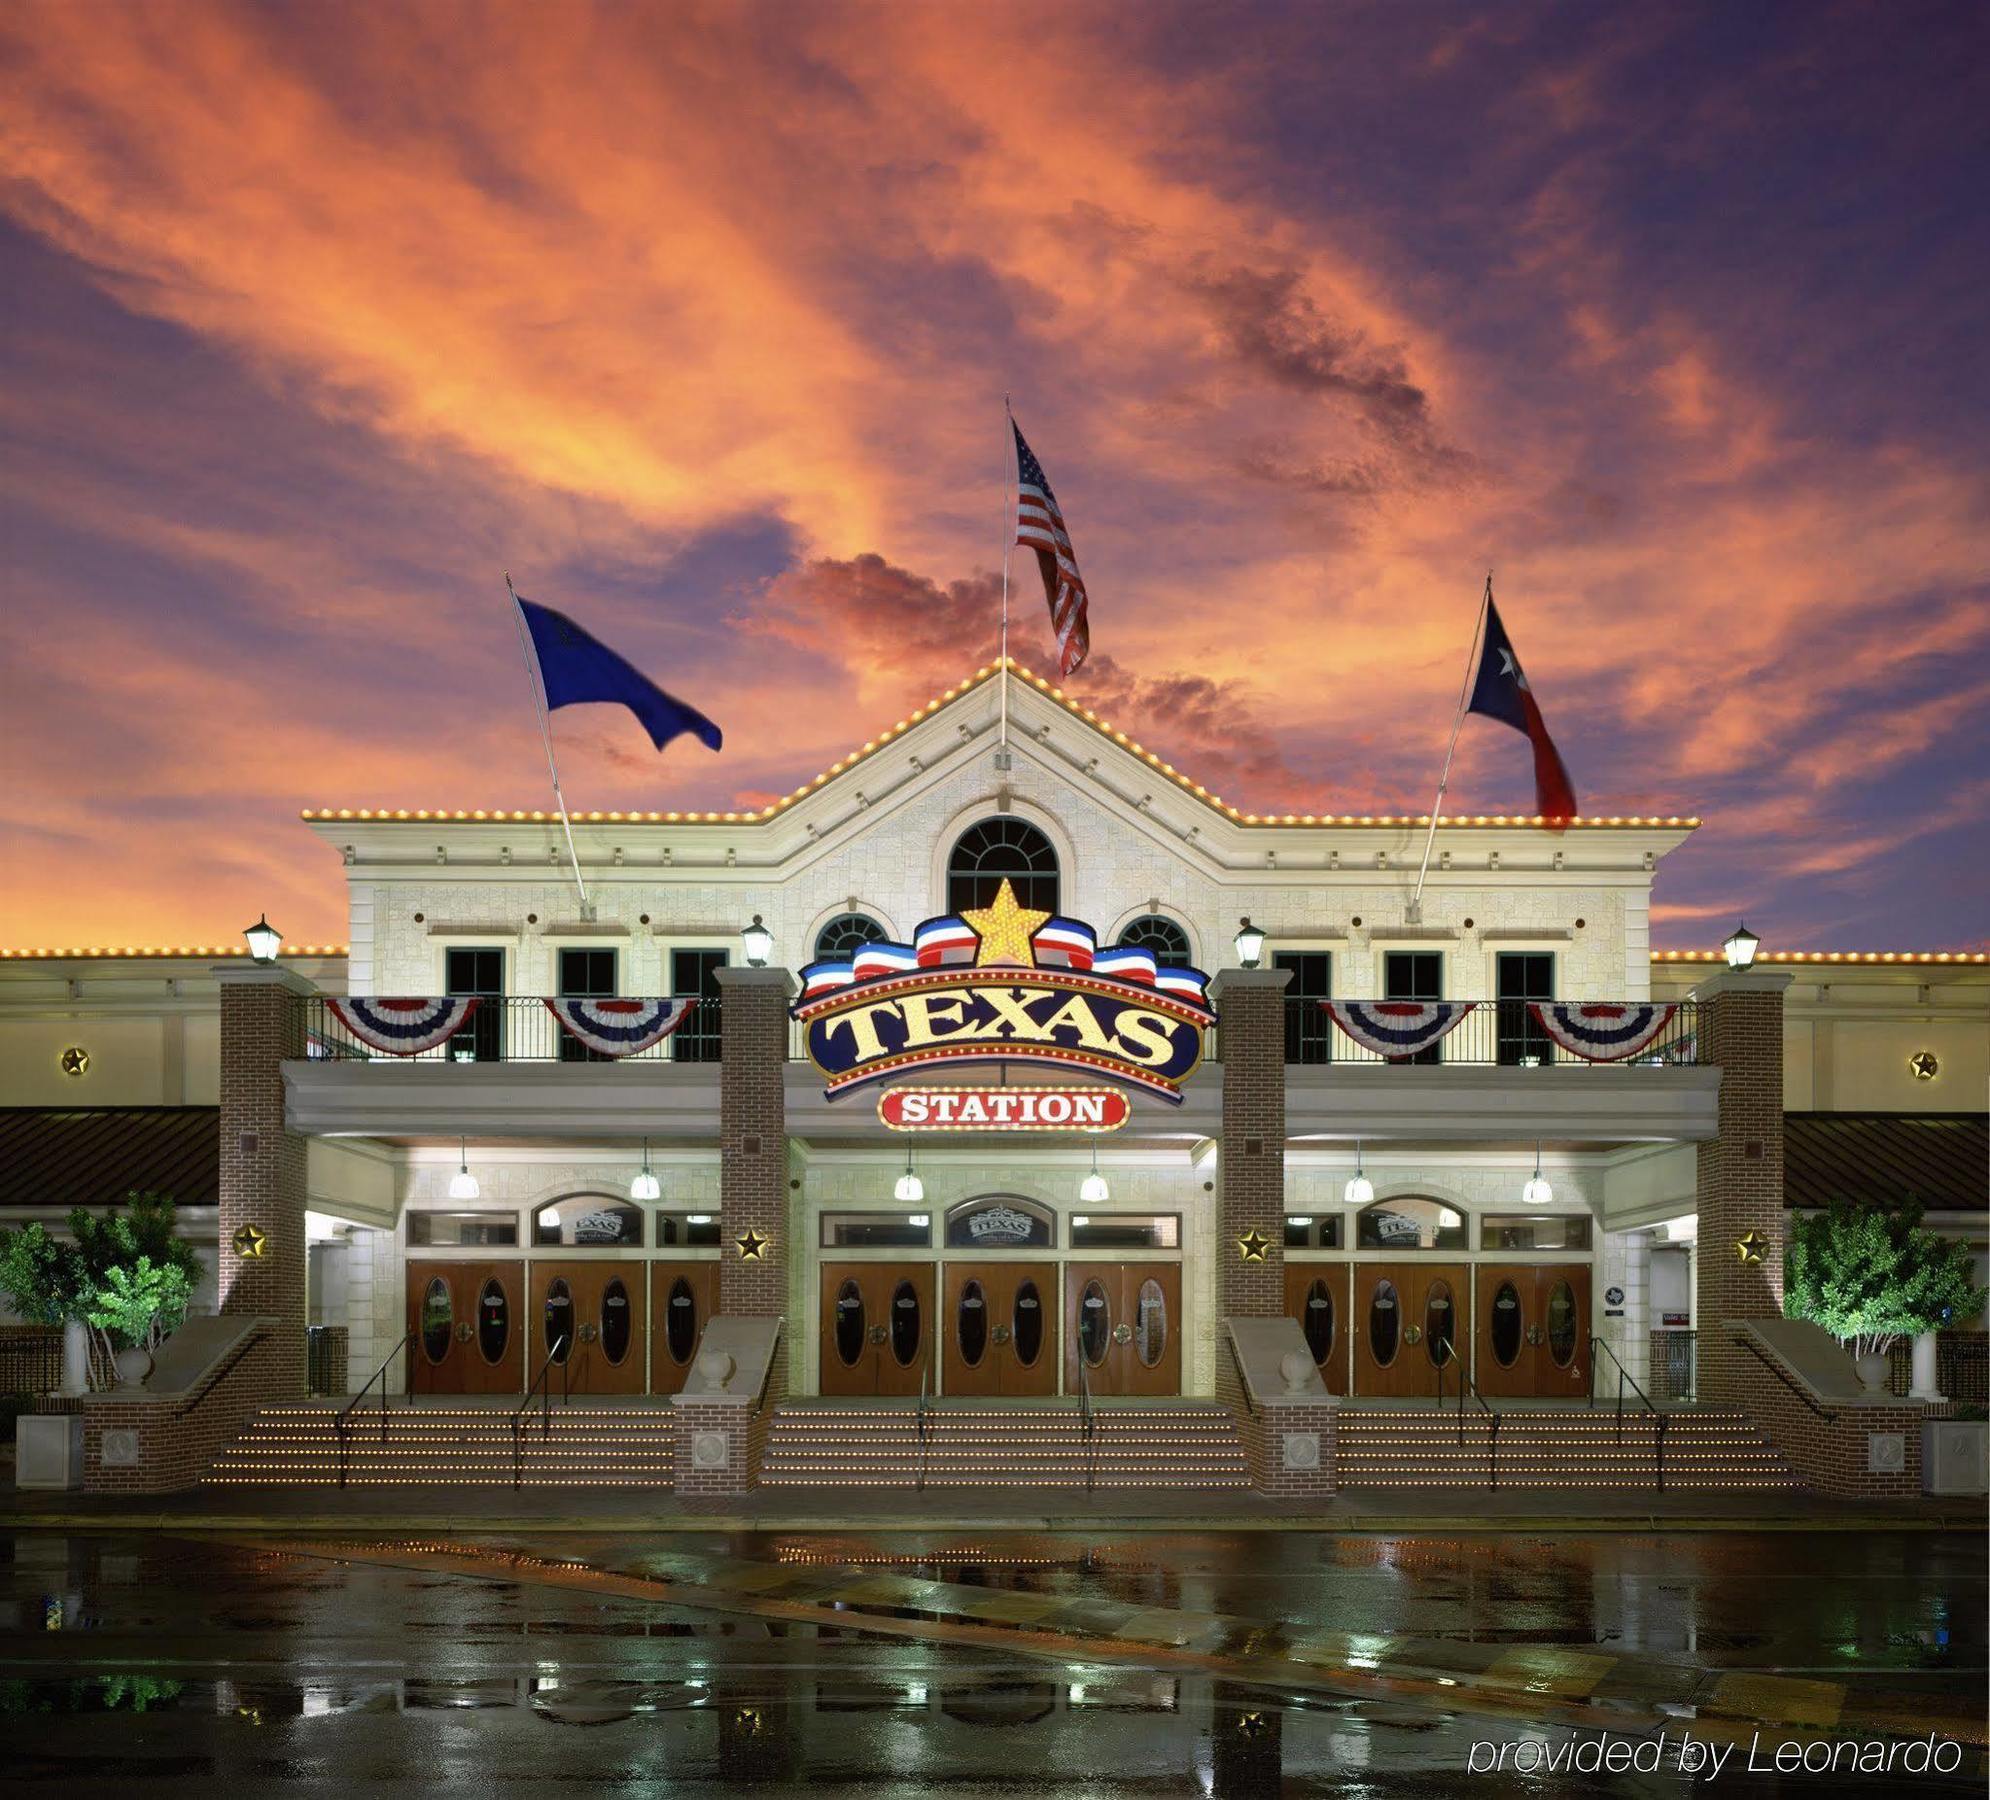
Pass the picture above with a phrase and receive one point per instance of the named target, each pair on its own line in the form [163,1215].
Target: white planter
[48,1450]
[1955,1456]
[1872,1372]
[134,1367]
[75,1357]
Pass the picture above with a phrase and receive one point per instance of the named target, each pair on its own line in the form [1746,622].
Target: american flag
[1040,525]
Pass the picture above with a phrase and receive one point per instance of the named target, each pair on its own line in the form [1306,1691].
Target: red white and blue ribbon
[618,1027]
[1605,1031]
[401,1026]
[1397,1027]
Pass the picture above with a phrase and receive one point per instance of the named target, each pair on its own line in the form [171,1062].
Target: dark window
[1309,1033]
[479,972]
[1534,1231]
[845,935]
[462,1228]
[1414,975]
[585,975]
[1521,976]
[697,972]
[876,1231]
[1167,940]
[1126,1231]
[698,1230]
[998,850]
[1307,1231]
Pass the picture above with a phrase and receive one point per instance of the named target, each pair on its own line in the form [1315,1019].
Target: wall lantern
[759,942]
[1359,1190]
[1537,1192]
[1740,947]
[463,1185]
[1093,1188]
[1250,944]
[910,1188]
[264,940]
[646,1186]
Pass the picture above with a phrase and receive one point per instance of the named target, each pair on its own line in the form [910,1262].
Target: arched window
[1163,936]
[845,935]
[1409,1222]
[998,850]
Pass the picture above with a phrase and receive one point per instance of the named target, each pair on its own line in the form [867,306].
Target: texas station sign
[1003,1109]
[1009,986]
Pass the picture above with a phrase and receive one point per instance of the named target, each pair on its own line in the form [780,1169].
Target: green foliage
[139,1305]
[119,1239]
[43,1279]
[1870,1274]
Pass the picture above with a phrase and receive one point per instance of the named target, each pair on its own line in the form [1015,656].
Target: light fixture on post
[646,1186]
[910,1188]
[1359,1190]
[1537,1192]
[1093,1188]
[1740,947]
[463,1185]
[264,939]
[759,942]
[1250,944]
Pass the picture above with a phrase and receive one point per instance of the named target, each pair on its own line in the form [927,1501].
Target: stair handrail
[340,1428]
[1465,1381]
[919,1420]
[556,1353]
[1087,1422]
[1243,1379]
[1624,1378]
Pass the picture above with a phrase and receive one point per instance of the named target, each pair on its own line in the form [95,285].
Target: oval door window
[438,1313]
[680,1321]
[849,1323]
[1440,1323]
[1385,1323]
[1318,1323]
[1094,1323]
[615,1320]
[904,1323]
[971,1323]
[493,1319]
[1561,1324]
[1506,1325]
[1029,1323]
[559,1320]
[1150,1334]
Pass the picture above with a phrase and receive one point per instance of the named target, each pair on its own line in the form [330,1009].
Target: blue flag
[575,667]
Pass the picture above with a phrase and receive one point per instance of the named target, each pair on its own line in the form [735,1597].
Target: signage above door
[1003,984]
[1003,1109]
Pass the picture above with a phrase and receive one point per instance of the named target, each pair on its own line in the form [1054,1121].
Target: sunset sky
[699,319]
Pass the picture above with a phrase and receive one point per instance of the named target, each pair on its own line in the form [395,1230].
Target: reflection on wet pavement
[179,1662]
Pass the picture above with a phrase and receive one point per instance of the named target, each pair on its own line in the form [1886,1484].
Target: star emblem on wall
[1005,930]
[1253,1245]
[251,1241]
[1752,1246]
[1925,1065]
[752,1246]
[75,1060]
[1253,1724]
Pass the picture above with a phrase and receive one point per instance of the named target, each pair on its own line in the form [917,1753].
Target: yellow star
[250,1241]
[1254,1244]
[1750,1245]
[752,1246]
[1005,930]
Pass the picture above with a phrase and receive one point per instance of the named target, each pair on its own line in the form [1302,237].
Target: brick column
[753,1141]
[1740,1176]
[1250,1018]
[262,1163]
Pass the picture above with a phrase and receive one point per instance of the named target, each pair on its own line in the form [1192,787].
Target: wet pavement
[1054,1664]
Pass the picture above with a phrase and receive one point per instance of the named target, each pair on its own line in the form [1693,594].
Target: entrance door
[1408,1320]
[472,1332]
[1316,1295]
[877,1328]
[598,1308]
[683,1295]
[1533,1334]
[1000,1322]
[1125,1320]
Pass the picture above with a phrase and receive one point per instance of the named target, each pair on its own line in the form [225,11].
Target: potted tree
[1870,1274]
[135,1307]
[44,1281]
[143,1229]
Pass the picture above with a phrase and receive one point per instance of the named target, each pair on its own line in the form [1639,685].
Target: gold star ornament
[1752,1246]
[752,1247]
[1925,1064]
[251,1242]
[75,1060]
[1253,1245]
[1005,930]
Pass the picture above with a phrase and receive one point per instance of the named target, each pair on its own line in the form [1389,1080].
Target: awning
[1942,1159]
[63,1157]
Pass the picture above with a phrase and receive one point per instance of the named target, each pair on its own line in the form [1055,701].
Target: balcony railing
[1495,1033]
[511,1028]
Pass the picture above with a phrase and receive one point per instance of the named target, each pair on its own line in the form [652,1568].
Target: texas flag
[1500,691]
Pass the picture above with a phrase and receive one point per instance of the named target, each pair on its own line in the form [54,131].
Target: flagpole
[1415,909]
[1008,540]
[533,679]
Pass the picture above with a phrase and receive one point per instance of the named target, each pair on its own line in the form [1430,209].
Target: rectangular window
[1309,1033]
[462,1230]
[694,1231]
[1520,976]
[877,1231]
[1414,975]
[697,972]
[479,972]
[1127,1231]
[589,975]
[1312,1231]
[1534,1231]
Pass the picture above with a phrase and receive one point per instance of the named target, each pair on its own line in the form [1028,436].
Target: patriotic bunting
[401,1027]
[1608,1031]
[1397,1027]
[618,1027]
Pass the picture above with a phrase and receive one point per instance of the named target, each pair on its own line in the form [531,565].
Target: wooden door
[598,1308]
[1408,1317]
[472,1327]
[1316,1294]
[877,1328]
[1508,1316]
[683,1297]
[999,1327]
[1125,1320]
[1561,1348]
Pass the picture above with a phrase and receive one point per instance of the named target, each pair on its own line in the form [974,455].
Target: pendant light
[646,1186]
[1537,1192]
[1359,1190]
[463,1185]
[1093,1188]
[910,1188]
